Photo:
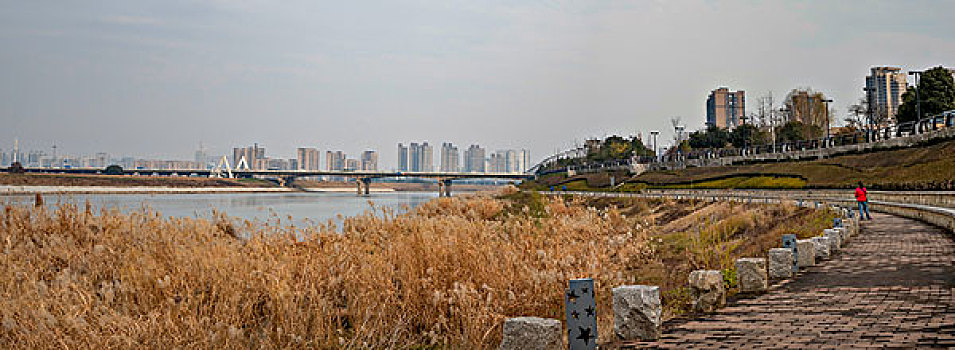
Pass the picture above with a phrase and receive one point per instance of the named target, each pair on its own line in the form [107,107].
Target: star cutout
[572,296]
[590,310]
[585,335]
[575,314]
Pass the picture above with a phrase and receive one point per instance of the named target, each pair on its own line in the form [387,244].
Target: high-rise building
[807,107]
[254,156]
[420,157]
[427,157]
[884,88]
[511,161]
[474,159]
[724,108]
[450,161]
[352,164]
[414,157]
[404,161]
[497,163]
[308,159]
[525,160]
[335,160]
[369,160]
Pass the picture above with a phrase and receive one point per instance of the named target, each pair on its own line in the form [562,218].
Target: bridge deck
[891,286]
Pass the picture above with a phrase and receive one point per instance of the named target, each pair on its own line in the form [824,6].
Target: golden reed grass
[445,275]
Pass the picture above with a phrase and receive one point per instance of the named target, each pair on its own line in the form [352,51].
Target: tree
[937,94]
[712,137]
[797,131]
[747,135]
[859,113]
[113,170]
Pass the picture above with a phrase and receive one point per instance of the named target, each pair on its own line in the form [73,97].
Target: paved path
[890,287]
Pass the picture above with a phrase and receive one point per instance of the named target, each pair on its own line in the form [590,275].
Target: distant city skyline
[154,79]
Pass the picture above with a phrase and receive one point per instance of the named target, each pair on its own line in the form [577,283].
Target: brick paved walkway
[890,287]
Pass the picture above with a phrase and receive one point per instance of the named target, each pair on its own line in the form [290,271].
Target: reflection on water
[301,207]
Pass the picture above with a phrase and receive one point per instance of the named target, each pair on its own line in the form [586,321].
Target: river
[302,207]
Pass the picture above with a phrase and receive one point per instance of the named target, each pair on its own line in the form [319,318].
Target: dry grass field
[445,275]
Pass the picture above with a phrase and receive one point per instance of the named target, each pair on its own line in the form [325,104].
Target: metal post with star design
[580,306]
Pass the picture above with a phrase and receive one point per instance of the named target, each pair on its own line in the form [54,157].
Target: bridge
[363,178]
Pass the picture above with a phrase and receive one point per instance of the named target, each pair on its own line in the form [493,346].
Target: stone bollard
[751,275]
[807,253]
[637,312]
[780,263]
[843,235]
[707,289]
[821,245]
[532,333]
[835,239]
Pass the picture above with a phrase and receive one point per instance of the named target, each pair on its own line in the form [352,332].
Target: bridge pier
[363,185]
[444,188]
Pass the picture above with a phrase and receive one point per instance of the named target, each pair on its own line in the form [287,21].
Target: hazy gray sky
[154,78]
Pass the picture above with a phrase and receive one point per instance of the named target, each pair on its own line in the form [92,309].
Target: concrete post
[532,333]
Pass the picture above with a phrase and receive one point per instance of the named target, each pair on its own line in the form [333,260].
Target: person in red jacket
[862,196]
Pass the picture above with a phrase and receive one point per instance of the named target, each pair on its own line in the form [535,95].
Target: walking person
[862,196]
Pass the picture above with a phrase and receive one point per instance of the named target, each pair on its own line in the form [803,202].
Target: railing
[783,150]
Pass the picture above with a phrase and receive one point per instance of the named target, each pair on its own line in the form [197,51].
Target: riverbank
[16,190]
[128,181]
[445,275]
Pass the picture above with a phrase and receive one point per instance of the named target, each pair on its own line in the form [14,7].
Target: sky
[155,78]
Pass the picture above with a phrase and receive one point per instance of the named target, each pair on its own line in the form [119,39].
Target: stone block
[807,253]
[751,275]
[843,235]
[821,245]
[532,333]
[780,263]
[706,287]
[637,312]
[835,239]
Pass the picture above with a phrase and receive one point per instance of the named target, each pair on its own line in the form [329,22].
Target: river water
[315,207]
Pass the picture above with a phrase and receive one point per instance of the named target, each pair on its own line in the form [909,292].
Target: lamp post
[654,134]
[918,101]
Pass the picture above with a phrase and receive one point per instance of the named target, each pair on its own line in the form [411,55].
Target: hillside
[928,167]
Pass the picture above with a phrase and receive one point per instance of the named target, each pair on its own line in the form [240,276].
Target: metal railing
[866,136]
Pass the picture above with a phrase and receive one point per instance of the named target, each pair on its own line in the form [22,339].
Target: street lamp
[918,101]
[654,134]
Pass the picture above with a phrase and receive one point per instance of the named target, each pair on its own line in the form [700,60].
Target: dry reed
[447,274]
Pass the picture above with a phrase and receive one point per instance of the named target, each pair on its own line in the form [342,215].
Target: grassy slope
[927,167]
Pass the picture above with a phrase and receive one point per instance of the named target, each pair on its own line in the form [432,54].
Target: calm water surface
[302,207]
